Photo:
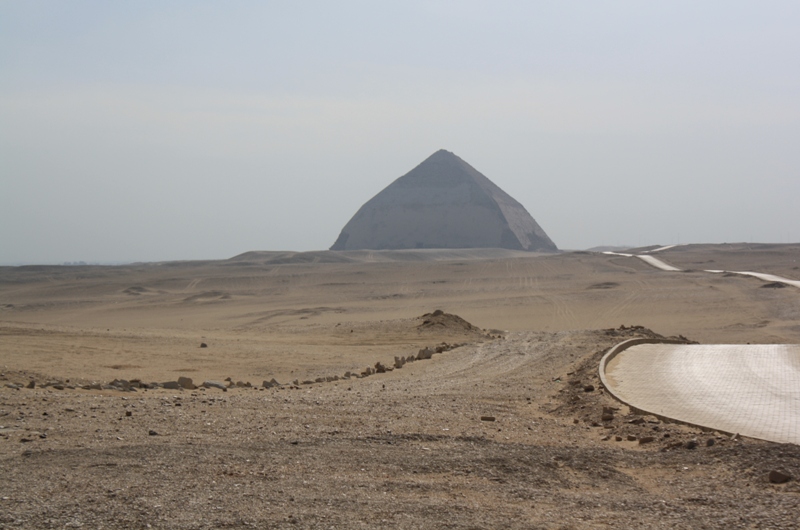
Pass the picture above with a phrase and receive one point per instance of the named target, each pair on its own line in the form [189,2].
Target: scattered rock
[186,382]
[618,438]
[203,345]
[631,438]
[646,440]
[170,385]
[779,477]
[128,413]
[588,388]
[270,384]
[710,442]
[31,384]
[215,384]
[151,432]
[691,444]
[424,354]
[487,418]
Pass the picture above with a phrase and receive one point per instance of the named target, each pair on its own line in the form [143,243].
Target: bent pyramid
[442,203]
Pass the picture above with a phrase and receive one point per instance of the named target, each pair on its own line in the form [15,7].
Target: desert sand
[505,430]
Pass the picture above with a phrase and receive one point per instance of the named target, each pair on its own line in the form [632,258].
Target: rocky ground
[509,431]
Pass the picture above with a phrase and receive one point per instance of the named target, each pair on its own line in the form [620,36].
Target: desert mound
[441,321]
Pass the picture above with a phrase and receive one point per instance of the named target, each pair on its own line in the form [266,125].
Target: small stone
[487,418]
[203,345]
[186,382]
[151,432]
[31,384]
[128,413]
[215,384]
[588,388]
[779,477]
[691,444]
[710,442]
[646,440]
[425,353]
[618,438]
[631,438]
[171,385]
[607,417]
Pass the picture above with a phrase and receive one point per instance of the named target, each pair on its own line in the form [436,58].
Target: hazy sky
[190,130]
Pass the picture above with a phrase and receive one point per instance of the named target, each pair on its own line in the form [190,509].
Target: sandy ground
[405,449]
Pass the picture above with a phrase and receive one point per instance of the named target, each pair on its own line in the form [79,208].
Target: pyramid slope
[442,203]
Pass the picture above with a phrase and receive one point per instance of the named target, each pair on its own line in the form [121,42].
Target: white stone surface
[753,390]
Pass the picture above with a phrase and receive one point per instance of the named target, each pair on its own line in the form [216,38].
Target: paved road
[753,390]
[664,266]
[657,263]
[765,277]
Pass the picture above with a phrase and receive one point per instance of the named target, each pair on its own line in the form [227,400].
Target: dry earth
[402,449]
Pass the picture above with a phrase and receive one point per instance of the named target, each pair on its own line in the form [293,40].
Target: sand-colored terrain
[404,449]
